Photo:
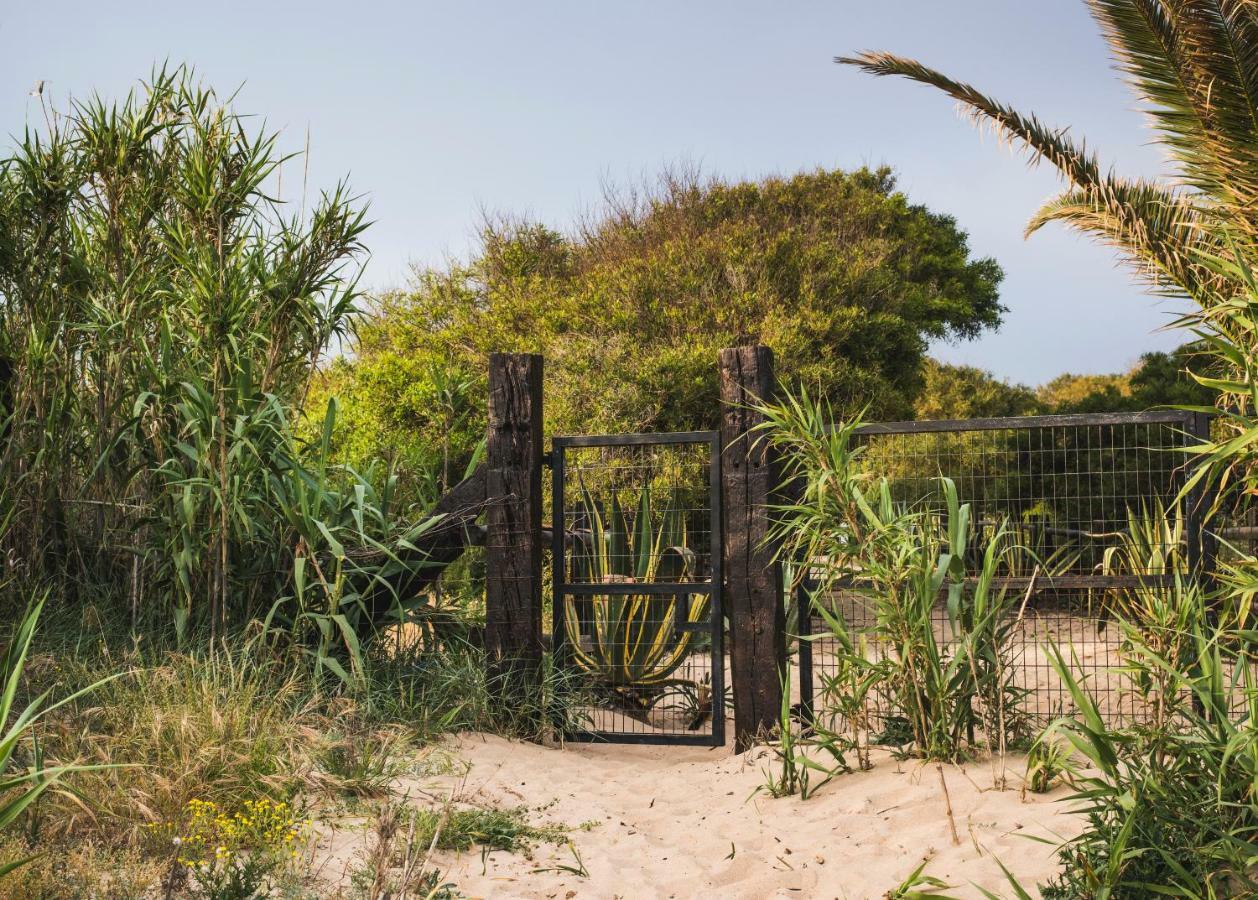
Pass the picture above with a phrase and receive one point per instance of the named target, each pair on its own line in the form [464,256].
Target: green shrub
[1170,807]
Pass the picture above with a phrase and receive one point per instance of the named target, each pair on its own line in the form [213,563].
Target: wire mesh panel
[637,600]
[1065,489]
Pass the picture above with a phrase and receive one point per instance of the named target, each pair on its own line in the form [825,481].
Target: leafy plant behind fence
[634,644]
[942,623]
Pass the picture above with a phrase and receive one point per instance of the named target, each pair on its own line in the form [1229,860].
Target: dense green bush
[837,271]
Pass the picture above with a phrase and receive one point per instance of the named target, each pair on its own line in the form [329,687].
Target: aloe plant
[632,640]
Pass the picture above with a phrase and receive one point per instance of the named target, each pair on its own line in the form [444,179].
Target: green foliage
[1048,760]
[161,315]
[903,559]
[920,886]
[838,272]
[1157,381]
[966,392]
[1170,807]
[1229,461]
[1069,392]
[494,829]
[798,769]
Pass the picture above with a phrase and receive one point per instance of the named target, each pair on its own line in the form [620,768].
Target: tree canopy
[968,392]
[1157,380]
[837,271]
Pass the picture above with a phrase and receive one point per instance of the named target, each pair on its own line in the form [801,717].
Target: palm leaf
[1194,63]
[1075,162]
[1161,230]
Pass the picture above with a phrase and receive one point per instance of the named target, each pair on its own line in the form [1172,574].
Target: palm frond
[1192,61]
[1078,165]
[1159,229]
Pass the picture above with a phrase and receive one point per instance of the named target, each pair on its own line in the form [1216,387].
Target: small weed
[397,860]
[364,764]
[1048,761]
[494,829]
[896,732]
[919,886]
[796,771]
[578,868]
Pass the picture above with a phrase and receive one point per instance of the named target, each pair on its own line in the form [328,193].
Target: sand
[687,822]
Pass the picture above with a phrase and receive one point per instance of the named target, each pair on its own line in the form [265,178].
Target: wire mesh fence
[1066,488]
[636,609]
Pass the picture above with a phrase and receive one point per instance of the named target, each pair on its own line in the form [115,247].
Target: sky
[438,111]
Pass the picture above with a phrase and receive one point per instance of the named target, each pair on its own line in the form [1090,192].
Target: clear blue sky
[435,110]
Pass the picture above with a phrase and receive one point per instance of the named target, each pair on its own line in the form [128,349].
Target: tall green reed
[162,311]
[942,622]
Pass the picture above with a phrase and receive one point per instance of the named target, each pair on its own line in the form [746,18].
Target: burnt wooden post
[513,524]
[750,476]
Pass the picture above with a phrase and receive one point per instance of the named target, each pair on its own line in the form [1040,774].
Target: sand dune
[685,822]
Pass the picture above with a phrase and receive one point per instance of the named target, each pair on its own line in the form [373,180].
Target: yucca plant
[632,642]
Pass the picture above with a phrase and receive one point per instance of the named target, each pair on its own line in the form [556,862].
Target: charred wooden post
[513,524]
[750,476]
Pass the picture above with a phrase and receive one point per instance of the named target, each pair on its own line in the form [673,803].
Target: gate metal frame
[562,588]
[1202,545]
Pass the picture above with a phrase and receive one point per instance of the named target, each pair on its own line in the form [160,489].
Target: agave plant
[630,640]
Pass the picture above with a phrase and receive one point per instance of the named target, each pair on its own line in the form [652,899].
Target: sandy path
[678,822]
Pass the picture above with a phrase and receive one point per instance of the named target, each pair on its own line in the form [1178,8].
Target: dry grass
[221,726]
[228,724]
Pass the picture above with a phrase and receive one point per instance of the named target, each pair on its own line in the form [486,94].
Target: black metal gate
[637,619]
